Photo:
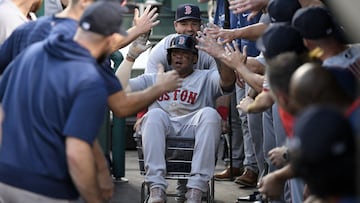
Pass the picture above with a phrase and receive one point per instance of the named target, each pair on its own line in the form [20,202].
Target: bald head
[313,84]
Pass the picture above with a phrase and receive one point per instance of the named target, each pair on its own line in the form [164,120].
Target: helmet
[185,42]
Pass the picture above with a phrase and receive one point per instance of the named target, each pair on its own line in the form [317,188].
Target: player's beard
[102,57]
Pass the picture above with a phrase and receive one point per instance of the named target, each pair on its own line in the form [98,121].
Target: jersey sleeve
[142,82]
[112,83]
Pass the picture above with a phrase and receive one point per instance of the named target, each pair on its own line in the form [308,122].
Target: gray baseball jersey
[199,89]
[158,55]
[350,59]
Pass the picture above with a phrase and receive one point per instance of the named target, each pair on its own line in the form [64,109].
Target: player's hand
[139,45]
[276,156]
[244,104]
[232,57]
[169,80]
[106,184]
[225,35]
[271,187]
[146,21]
[225,128]
[209,44]
[242,6]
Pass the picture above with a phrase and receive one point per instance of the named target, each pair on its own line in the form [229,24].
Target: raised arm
[241,6]
[136,48]
[142,24]
[128,103]
[250,32]
[214,48]
[237,61]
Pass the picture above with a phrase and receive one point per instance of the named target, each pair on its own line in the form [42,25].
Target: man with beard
[51,124]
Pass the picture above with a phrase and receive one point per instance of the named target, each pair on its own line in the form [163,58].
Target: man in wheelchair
[188,112]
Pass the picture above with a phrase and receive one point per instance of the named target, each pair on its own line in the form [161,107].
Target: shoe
[193,195]
[248,178]
[225,174]
[250,198]
[157,195]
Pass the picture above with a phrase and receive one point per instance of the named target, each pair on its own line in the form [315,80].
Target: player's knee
[156,113]
[211,115]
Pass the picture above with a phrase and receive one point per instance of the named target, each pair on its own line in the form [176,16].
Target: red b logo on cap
[187,10]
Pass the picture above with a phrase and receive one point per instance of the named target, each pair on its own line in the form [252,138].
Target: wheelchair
[178,156]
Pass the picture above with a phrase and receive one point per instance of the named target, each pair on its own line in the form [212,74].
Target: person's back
[46,93]
[47,104]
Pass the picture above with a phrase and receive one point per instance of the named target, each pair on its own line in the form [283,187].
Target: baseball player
[48,138]
[188,111]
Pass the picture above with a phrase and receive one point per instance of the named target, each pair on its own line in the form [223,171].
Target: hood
[64,47]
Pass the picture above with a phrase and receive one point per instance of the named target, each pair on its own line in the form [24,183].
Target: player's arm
[137,47]
[250,32]
[215,49]
[128,103]
[104,178]
[82,169]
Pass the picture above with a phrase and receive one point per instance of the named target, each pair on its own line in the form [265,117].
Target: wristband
[223,111]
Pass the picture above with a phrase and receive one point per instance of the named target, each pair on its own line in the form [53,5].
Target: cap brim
[187,18]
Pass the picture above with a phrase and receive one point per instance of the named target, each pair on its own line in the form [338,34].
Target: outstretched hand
[139,45]
[271,187]
[209,44]
[232,57]
[226,35]
[147,20]
[242,6]
[169,80]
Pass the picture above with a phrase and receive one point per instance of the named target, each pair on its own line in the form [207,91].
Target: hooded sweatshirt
[50,91]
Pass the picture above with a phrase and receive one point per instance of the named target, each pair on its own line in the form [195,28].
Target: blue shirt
[237,21]
[51,91]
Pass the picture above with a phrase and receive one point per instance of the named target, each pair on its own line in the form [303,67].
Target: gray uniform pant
[274,132]
[252,136]
[12,194]
[204,125]
[237,142]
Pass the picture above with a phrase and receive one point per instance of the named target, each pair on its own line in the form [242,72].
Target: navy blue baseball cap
[323,133]
[104,18]
[325,148]
[187,11]
[282,10]
[314,22]
[185,42]
[279,38]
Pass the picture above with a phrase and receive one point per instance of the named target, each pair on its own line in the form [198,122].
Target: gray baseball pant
[204,125]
